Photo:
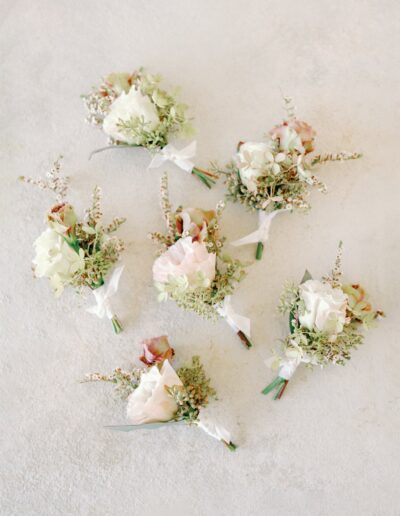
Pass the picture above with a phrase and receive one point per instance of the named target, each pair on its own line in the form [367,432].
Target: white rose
[254,160]
[127,106]
[150,402]
[325,307]
[185,258]
[56,260]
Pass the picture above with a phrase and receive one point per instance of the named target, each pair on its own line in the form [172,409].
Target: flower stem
[246,341]
[109,147]
[231,446]
[260,249]
[278,395]
[206,177]
[116,324]
[279,383]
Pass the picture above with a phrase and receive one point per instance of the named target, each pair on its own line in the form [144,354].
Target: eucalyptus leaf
[307,276]
[149,426]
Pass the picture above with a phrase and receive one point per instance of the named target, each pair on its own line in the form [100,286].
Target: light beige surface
[331,446]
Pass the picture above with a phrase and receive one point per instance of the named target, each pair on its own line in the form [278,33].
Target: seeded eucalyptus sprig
[195,392]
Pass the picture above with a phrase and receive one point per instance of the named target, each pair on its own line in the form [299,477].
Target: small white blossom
[252,159]
[325,307]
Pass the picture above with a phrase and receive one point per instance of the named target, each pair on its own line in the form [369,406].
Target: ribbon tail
[262,233]
[157,161]
[252,238]
[184,164]
[95,310]
[100,308]
[102,296]
[216,431]
[113,283]
[190,150]
[238,323]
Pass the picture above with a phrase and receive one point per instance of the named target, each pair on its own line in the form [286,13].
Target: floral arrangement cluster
[325,319]
[159,394]
[135,111]
[275,175]
[191,268]
[78,253]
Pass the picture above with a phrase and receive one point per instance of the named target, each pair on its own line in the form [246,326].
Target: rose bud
[156,350]
[357,298]
[194,222]
[119,82]
[306,133]
[294,135]
[62,218]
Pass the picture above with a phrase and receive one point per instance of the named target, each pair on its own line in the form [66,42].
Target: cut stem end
[280,384]
[231,446]
[116,325]
[259,251]
[206,177]
[246,341]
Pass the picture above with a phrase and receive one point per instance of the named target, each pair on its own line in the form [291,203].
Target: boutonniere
[135,111]
[78,253]
[158,394]
[191,268]
[325,322]
[275,176]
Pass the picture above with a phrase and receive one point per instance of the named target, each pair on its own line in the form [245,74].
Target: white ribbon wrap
[236,322]
[262,233]
[288,363]
[288,367]
[213,429]
[102,295]
[180,157]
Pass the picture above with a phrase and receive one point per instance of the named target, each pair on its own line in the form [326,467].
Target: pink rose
[187,259]
[150,401]
[62,218]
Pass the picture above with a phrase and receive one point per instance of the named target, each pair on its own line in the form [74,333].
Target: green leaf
[307,276]
[149,426]
[291,319]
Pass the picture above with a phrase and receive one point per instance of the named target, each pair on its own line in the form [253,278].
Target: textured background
[331,445]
